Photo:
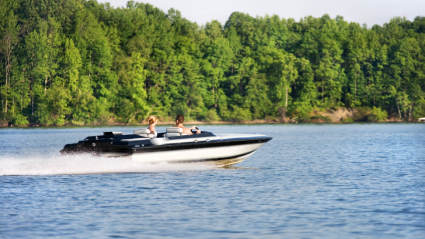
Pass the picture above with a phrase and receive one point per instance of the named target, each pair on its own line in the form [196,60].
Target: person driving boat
[186,131]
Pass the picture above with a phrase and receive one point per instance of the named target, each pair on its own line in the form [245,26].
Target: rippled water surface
[310,181]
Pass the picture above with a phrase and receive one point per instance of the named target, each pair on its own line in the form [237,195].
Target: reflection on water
[235,167]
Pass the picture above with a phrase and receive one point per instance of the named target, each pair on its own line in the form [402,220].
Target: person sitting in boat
[186,131]
[152,120]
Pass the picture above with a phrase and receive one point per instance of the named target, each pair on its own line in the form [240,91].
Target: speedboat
[171,146]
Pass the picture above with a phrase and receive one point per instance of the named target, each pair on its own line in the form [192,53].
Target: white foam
[87,164]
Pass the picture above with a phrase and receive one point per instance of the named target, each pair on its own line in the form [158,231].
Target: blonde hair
[152,119]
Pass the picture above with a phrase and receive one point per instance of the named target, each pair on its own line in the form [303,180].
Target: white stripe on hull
[198,154]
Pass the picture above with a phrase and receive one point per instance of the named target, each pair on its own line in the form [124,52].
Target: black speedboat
[171,146]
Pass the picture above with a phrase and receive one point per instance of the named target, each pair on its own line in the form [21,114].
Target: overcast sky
[369,12]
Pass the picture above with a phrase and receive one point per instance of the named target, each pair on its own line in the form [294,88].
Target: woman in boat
[186,131]
[152,120]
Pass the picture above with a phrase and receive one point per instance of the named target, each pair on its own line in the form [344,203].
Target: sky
[367,12]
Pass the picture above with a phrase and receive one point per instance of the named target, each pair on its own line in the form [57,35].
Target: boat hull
[218,155]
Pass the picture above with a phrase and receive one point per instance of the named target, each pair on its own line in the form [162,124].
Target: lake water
[310,181]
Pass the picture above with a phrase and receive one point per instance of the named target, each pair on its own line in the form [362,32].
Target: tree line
[81,62]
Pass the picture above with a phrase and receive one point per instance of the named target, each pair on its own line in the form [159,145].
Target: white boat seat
[144,133]
[173,132]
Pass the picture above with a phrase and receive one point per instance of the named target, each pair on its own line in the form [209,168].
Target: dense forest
[79,62]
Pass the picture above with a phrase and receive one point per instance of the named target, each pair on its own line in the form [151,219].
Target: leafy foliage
[80,62]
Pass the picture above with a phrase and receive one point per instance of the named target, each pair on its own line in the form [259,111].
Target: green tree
[9,38]
[132,105]
[42,47]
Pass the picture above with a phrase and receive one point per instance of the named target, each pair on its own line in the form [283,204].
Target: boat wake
[87,164]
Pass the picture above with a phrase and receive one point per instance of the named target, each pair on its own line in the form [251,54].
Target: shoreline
[340,115]
[193,123]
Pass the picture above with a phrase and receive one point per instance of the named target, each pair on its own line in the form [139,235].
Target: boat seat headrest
[144,133]
[174,131]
